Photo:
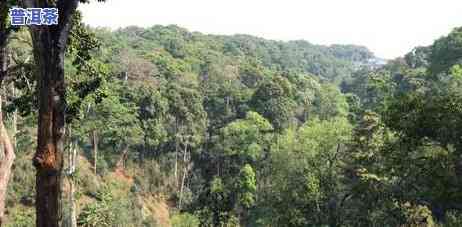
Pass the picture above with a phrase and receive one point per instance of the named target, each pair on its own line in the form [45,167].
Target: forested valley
[168,127]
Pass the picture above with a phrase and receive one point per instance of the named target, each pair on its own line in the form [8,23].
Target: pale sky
[390,28]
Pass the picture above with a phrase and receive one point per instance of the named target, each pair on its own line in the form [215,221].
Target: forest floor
[121,182]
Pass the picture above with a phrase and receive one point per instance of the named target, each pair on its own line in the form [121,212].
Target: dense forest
[167,127]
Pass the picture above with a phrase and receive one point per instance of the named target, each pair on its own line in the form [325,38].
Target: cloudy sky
[390,28]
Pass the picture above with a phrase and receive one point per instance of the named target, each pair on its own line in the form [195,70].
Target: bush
[417,216]
[21,218]
[453,219]
[184,220]
[99,213]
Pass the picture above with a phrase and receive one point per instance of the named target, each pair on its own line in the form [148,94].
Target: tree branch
[66,9]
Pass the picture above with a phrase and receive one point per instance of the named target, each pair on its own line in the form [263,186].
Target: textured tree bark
[3,61]
[49,44]
[4,33]
[72,162]
[48,157]
[6,162]
[72,208]
[15,121]
[7,156]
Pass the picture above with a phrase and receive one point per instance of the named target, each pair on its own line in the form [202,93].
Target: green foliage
[21,218]
[99,213]
[418,216]
[453,219]
[22,184]
[246,138]
[418,57]
[151,114]
[111,209]
[186,113]
[119,120]
[253,132]
[155,178]
[184,220]
[273,100]
[306,164]
[329,103]
[247,186]
[446,51]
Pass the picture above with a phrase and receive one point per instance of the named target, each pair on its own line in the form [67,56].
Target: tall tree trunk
[49,51]
[72,162]
[175,173]
[185,172]
[7,157]
[144,152]
[48,159]
[15,121]
[121,163]
[6,162]
[3,56]
[49,46]
[94,140]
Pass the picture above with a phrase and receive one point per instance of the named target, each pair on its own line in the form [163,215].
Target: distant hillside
[332,63]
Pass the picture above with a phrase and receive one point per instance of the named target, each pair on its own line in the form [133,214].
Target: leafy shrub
[417,216]
[21,218]
[99,213]
[453,219]
[184,220]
